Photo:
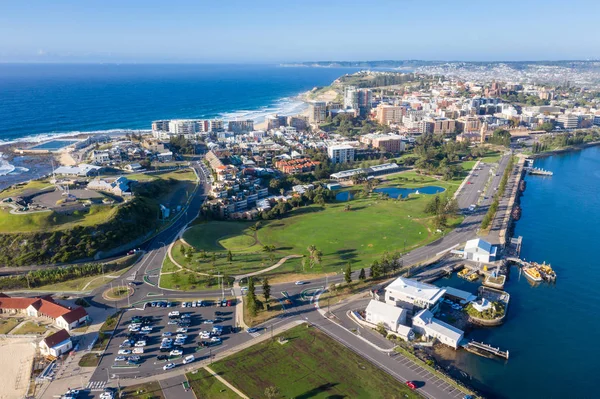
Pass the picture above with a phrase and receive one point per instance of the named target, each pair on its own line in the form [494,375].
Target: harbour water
[551,329]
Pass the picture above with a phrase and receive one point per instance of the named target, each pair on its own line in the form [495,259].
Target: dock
[544,269]
[482,349]
[538,171]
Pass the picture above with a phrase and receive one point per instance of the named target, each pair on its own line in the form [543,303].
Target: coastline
[565,150]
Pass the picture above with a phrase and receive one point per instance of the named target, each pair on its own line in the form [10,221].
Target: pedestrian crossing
[96,385]
[255,334]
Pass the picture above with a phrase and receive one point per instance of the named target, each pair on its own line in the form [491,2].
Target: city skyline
[271,32]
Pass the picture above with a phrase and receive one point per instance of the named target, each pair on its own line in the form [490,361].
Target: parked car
[119,358]
[182,330]
[215,339]
[411,385]
[162,357]
[124,352]
[208,321]
[167,334]
[169,366]
[176,352]
[140,344]
[172,322]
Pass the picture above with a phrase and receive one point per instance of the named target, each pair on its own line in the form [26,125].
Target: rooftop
[426,292]
[384,309]
[439,326]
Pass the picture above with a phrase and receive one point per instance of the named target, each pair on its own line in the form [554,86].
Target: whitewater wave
[283,107]
[5,166]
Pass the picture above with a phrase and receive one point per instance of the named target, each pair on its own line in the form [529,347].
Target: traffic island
[117,293]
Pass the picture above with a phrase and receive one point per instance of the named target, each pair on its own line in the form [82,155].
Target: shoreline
[565,150]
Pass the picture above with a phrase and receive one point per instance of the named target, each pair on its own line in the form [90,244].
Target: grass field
[183,174]
[30,328]
[79,284]
[309,365]
[149,390]
[492,157]
[31,186]
[89,360]
[206,386]
[8,324]
[50,221]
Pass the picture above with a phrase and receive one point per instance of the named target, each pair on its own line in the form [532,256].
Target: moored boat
[532,274]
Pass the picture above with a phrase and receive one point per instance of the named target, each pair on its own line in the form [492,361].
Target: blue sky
[287,30]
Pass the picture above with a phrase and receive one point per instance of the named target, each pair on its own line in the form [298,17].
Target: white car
[124,352]
[172,322]
[194,304]
[174,313]
[189,359]
[181,336]
[169,366]
[182,330]
[215,339]
[147,328]
[167,334]
[204,335]
[300,282]
[140,344]
[120,359]
[209,321]
[184,304]
[176,352]
[107,395]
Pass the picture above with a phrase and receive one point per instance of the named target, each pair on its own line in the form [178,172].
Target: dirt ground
[16,356]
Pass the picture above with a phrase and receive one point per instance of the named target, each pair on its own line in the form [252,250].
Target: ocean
[551,329]
[40,101]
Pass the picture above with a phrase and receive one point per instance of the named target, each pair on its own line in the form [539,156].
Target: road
[398,366]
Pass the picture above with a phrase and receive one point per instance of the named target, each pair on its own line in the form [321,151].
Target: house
[119,186]
[80,170]
[56,344]
[407,293]
[424,323]
[392,317]
[134,167]
[165,156]
[480,251]
[45,306]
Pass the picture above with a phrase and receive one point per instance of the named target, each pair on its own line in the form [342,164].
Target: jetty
[529,168]
[545,270]
[482,349]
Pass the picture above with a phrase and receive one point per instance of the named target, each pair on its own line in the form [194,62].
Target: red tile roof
[75,315]
[56,338]
[50,309]
[16,303]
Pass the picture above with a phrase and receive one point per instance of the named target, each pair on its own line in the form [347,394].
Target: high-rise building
[341,153]
[215,125]
[317,111]
[299,122]
[184,126]
[350,97]
[160,126]
[241,126]
[358,99]
[387,114]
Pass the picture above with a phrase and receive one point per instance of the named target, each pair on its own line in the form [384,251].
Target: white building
[479,251]
[341,153]
[56,344]
[101,156]
[424,323]
[568,121]
[392,317]
[408,294]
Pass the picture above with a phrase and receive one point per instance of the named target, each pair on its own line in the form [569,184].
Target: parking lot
[159,326]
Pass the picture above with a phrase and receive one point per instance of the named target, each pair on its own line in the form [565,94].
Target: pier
[538,171]
[482,349]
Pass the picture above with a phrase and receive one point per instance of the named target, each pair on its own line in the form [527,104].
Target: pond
[394,192]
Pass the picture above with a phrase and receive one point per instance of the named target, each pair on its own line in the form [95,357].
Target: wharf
[544,270]
[482,349]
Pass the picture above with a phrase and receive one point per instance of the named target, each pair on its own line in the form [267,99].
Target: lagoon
[394,192]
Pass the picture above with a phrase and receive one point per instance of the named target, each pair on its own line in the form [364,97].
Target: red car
[469,182]
[411,385]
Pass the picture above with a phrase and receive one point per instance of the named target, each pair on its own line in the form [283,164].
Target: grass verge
[89,360]
[149,390]
[206,386]
[309,364]
[30,328]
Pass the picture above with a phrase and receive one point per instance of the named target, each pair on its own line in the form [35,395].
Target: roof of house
[56,338]
[49,308]
[384,309]
[75,315]
[438,326]
[16,303]
[478,245]
[412,288]
[455,292]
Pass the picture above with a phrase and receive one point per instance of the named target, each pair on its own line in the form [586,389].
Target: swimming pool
[54,145]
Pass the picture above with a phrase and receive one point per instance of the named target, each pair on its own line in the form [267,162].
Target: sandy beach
[16,356]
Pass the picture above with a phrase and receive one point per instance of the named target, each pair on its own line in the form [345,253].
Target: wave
[5,166]
[284,107]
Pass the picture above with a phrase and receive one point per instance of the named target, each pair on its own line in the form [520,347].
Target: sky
[265,31]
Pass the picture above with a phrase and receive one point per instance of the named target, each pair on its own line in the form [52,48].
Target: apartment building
[341,153]
[387,114]
[317,111]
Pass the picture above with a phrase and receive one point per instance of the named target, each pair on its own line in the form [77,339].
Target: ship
[532,274]
[546,272]
[516,212]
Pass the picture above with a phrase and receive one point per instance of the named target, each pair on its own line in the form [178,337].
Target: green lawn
[149,390]
[311,365]
[183,174]
[361,235]
[89,360]
[206,386]
[30,328]
[8,324]
[110,323]
[492,157]
[468,165]
[79,284]
[49,221]
[20,189]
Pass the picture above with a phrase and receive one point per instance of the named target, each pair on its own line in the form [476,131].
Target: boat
[464,272]
[473,276]
[532,274]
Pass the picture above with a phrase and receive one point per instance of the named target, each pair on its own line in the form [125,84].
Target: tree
[547,126]
[362,276]
[229,256]
[348,274]
[251,298]
[182,249]
[266,290]
[271,392]
[381,329]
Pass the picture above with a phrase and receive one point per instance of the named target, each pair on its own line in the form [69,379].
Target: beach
[17,358]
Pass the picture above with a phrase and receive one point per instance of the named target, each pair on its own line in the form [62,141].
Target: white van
[188,359]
